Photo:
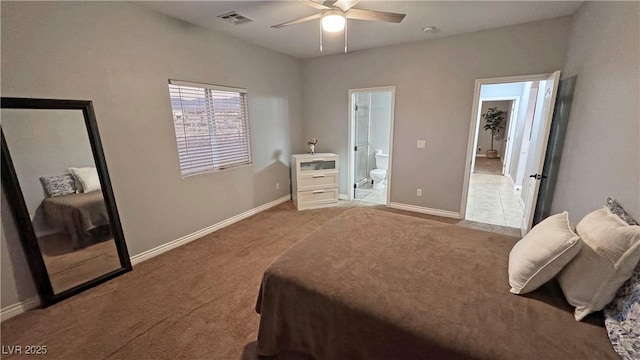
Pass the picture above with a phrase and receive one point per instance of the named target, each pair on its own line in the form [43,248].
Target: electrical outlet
[419,192]
[277,186]
[421,144]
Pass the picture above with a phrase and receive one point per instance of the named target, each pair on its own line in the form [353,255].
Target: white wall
[601,153]
[501,90]
[525,103]
[45,143]
[17,283]
[434,82]
[121,56]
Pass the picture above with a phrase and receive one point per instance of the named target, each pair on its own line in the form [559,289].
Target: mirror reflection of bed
[54,164]
[72,254]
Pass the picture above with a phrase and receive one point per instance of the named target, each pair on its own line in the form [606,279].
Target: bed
[81,216]
[377,285]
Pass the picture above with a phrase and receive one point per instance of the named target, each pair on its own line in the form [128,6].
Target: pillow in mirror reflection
[87,177]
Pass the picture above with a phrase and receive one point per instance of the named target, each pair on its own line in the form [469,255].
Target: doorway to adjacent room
[498,189]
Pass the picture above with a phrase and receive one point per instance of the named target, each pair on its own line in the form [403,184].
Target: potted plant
[493,121]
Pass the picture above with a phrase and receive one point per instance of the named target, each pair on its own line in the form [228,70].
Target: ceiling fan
[333,17]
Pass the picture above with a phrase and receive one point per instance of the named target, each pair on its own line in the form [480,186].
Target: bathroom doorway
[370,143]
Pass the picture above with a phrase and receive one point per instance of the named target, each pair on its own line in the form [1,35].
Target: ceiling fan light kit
[334,17]
[333,21]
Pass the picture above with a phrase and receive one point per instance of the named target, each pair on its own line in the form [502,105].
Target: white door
[537,151]
[507,146]
[521,167]
[362,134]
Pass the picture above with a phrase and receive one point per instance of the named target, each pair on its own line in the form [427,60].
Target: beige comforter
[76,215]
[376,285]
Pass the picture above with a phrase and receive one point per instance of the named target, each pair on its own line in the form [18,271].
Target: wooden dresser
[314,180]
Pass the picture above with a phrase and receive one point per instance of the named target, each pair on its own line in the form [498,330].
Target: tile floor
[493,200]
[376,196]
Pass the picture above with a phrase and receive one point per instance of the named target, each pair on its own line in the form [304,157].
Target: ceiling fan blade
[371,15]
[314,4]
[298,21]
[345,5]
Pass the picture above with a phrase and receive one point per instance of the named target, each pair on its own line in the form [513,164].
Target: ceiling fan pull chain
[320,36]
[346,22]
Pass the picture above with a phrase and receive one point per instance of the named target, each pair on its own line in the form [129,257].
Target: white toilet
[380,172]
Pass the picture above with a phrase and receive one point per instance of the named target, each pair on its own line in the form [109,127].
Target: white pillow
[87,177]
[610,252]
[542,253]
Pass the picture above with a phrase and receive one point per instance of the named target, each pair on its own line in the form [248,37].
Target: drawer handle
[318,191]
[318,176]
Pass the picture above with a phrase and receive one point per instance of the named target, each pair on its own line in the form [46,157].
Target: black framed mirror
[56,182]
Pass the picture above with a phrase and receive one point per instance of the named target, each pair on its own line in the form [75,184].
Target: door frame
[515,108]
[474,124]
[351,136]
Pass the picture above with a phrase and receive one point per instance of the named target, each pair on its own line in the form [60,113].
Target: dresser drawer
[314,180]
[318,164]
[320,180]
[317,197]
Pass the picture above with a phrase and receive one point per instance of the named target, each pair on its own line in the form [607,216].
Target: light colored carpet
[194,302]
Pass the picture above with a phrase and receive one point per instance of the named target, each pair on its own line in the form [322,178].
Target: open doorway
[498,200]
[500,159]
[493,149]
[371,141]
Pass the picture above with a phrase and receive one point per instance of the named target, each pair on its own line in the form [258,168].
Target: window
[212,126]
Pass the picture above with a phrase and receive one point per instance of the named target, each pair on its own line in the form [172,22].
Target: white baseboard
[343,197]
[136,259]
[31,303]
[18,308]
[424,210]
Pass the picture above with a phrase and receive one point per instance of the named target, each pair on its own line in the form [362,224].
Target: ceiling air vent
[235,18]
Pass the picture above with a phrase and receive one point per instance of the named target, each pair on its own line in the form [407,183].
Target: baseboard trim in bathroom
[425,210]
[343,197]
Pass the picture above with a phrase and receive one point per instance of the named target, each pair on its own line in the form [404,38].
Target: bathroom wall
[380,125]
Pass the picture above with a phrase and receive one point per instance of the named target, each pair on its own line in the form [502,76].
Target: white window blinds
[212,126]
